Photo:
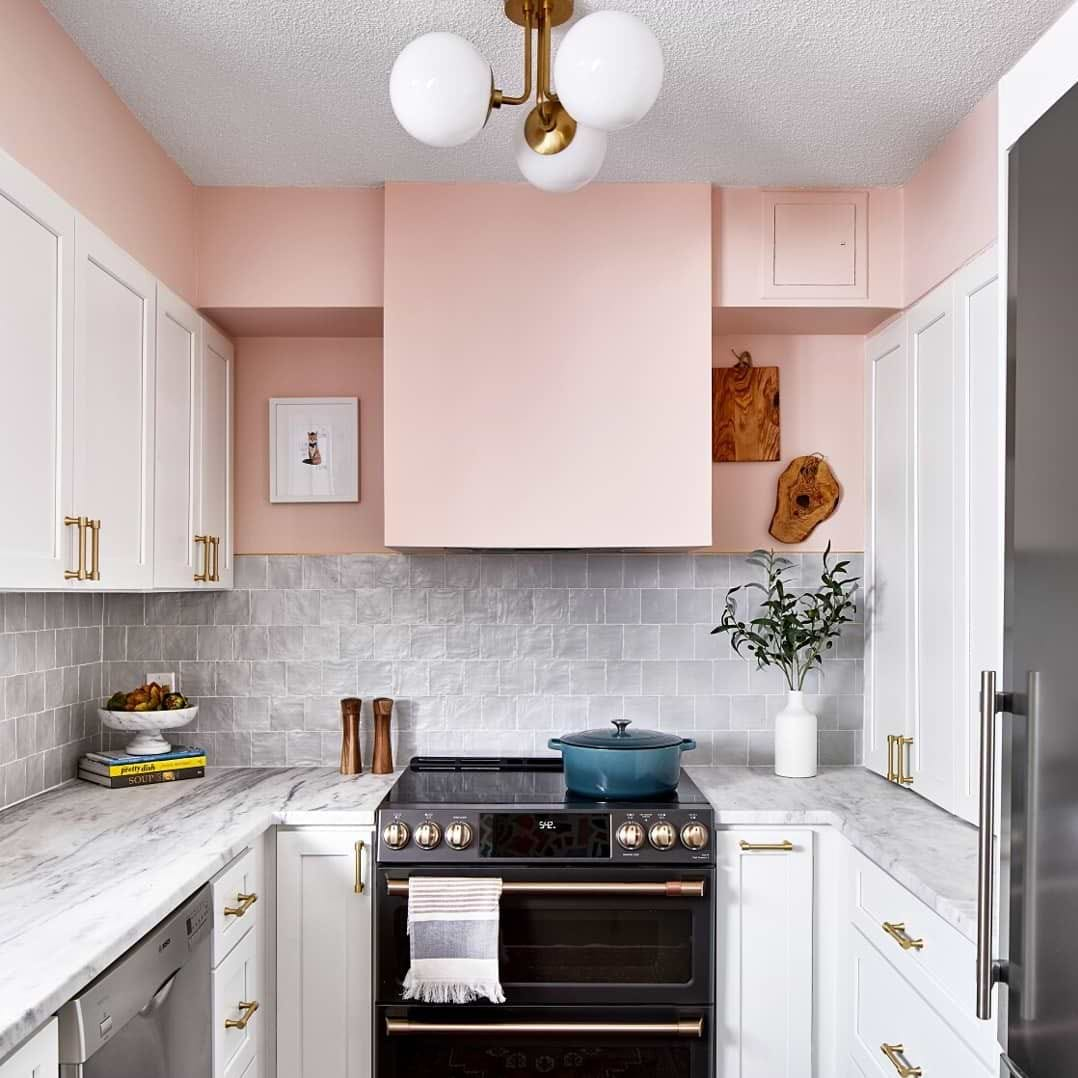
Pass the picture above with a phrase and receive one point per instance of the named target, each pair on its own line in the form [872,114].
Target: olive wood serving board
[744,413]
[808,493]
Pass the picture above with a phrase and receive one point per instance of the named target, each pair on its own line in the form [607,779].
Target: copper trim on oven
[669,889]
[693,1027]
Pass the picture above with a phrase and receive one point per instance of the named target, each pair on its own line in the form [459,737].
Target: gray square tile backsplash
[483,653]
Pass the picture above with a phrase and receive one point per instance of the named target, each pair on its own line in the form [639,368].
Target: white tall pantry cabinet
[934,387]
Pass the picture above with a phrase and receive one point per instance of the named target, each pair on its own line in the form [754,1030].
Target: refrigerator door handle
[988,971]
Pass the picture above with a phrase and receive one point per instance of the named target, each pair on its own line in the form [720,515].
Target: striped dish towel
[453,929]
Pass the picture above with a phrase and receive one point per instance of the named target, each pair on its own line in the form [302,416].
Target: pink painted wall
[509,314]
[737,247]
[951,202]
[297,367]
[821,387]
[305,247]
[62,121]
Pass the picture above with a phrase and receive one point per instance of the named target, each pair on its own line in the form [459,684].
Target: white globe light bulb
[572,168]
[440,89]
[609,70]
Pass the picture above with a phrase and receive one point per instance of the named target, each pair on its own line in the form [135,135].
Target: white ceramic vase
[796,755]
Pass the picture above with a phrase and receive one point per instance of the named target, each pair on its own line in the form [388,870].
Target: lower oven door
[551,1042]
[579,936]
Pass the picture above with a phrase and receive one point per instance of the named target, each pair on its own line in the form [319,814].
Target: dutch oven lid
[621,738]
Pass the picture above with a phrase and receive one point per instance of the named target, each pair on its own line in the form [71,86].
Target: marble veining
[85,873]
[932,854]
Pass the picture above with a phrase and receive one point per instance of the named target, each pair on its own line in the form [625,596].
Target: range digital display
[553,835]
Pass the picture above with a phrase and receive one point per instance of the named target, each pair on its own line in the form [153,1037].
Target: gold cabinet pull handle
[892,774]
[903,745]
[204,542]
[248,1010]
[244,903]
[361,855]
[215,547]
[897,931]
[785,846]
[897,1056]
[95,550]
[80,572]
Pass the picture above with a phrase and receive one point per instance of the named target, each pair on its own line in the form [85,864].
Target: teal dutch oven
[621,764]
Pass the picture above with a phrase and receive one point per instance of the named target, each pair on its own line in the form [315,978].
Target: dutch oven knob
[621,724]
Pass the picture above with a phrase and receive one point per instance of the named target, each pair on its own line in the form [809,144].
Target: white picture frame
[314,449]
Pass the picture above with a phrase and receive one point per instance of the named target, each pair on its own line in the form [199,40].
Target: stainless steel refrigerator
[1034,706]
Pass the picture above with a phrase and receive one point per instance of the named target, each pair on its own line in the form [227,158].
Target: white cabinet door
[765,974]
[37,273]
[324,972]
[178,559]
[238,996]
[938,505]
[39,1057]
[887,546]
[115,304]
[215,456]
[982,377]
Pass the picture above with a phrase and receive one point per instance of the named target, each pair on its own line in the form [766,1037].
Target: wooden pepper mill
[351,755]
[383,745]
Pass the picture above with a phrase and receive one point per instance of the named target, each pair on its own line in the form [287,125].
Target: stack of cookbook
[119,770]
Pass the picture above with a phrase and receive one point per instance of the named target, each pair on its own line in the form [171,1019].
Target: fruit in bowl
[145,712]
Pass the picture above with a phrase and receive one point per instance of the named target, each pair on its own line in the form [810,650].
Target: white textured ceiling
[812,92]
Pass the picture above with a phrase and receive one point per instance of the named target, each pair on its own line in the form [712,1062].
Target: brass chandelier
[608,70]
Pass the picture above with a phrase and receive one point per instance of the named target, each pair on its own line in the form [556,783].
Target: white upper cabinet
[114,410]
[179,558]
[37,272]
[935,532]
[215,456]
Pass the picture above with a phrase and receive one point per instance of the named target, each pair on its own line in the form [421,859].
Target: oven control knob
[662,835]
[458,835]
[427,835]
[695,836]
[631,835]
[396,835]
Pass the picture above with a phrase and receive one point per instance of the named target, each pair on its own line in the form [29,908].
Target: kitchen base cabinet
[39,1057]
[324,967]
[237,999]
[764,1006]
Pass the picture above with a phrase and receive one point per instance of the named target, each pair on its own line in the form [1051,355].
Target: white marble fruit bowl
[147,727]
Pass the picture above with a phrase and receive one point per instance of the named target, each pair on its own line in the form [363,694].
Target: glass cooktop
[505,781]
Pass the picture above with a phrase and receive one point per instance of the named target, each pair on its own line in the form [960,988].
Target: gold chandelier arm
[545,96]
[498,98]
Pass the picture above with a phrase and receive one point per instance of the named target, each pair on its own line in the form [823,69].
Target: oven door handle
[668,889]
[691,1027]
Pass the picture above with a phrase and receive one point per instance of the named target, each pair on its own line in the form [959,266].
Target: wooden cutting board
[808,494]
[744,413]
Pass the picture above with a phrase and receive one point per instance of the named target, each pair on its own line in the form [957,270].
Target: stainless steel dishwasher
[149,1014]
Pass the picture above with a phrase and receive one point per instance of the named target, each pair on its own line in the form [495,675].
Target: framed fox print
[314,449]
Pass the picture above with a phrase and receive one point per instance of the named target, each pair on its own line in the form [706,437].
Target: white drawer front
[238,897]
[39,1057]
[253,1069]
[888,1011]
[237,985]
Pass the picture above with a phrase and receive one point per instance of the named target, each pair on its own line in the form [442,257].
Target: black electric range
[469,810]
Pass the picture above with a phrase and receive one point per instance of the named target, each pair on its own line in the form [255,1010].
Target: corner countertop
[85,872]
[930,852]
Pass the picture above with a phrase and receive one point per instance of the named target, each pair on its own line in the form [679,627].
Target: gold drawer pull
[80,572]
[897,1055]
[897,931]
[248,1012]
[361,848]
[245,903]
[785,846]
[903,744]
[215,548]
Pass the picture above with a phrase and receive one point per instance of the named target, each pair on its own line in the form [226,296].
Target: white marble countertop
[927,850]
[85,872]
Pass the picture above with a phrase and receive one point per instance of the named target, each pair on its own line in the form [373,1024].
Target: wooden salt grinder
[383,745]
[351,755]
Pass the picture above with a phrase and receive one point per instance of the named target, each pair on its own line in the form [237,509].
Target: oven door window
[584,948]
